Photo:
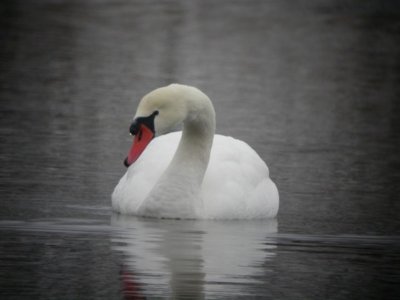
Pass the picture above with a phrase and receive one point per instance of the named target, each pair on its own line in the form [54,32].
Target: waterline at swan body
[193,174]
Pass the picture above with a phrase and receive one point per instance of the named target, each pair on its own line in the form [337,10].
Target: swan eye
[134,128]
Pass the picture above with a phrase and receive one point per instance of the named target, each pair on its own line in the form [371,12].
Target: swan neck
[178,189]
[194,149]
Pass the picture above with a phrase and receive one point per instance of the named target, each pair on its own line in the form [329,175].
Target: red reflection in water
[130,287]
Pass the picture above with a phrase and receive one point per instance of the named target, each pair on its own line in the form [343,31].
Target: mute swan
[192,174]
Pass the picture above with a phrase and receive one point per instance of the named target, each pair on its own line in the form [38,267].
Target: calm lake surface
[313,86]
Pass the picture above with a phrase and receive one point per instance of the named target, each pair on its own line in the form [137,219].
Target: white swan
[192,174]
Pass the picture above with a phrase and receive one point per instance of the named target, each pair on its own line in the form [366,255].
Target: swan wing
[237,183]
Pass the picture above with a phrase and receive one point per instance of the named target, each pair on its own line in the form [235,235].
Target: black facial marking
[147,121]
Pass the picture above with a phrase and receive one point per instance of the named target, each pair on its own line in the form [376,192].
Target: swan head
[159,112]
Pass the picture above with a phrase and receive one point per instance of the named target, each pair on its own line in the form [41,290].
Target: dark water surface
[313,86]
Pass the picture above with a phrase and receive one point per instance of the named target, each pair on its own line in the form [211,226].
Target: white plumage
[236,183]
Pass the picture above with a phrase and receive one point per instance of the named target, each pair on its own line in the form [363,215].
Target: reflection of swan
[193,259]
[236,183]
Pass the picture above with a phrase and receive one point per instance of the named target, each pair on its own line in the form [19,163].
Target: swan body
[193,174]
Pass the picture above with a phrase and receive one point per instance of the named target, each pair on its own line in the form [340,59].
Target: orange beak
[140,142]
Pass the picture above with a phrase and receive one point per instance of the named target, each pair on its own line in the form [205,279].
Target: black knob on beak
[134,128]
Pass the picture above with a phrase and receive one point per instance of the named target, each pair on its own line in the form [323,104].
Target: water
[312,86]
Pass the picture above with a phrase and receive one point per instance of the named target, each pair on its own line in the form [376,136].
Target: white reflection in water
[196,259]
